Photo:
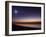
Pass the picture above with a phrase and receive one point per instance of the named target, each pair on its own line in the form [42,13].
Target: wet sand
[16,26]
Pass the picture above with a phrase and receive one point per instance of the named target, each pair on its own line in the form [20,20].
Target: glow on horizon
[27,20]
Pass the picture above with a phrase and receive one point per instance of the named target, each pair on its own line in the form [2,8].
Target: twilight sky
[20,12]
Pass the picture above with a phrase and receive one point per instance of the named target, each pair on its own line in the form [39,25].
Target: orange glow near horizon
[25,22]
[28,20]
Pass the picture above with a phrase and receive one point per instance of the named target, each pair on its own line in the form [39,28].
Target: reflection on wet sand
[27,24]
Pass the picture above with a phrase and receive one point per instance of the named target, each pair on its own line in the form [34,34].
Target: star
[16,11]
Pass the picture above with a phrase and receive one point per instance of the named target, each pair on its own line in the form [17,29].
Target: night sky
[21,12]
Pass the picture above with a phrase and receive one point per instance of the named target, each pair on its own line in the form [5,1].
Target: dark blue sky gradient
[26,12]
